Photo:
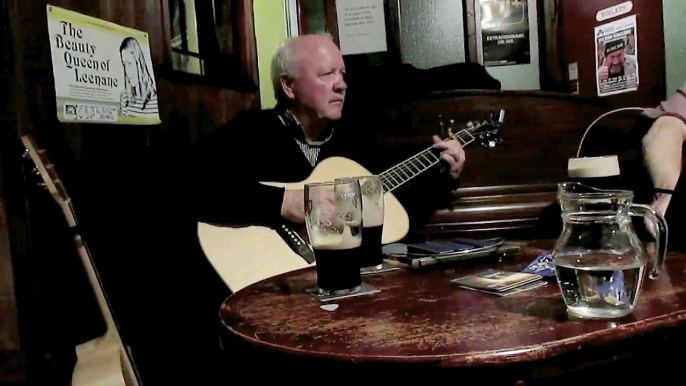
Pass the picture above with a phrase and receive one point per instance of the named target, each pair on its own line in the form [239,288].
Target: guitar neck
[417,164]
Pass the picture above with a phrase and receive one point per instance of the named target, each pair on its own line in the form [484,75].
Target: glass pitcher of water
[599,260]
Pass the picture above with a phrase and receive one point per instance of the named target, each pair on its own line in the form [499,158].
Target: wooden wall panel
[541,131]
[187,110]
[579,21]
[504,190]
[550,46]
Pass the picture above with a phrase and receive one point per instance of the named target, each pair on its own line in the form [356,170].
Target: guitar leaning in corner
[104,360]
[243,255]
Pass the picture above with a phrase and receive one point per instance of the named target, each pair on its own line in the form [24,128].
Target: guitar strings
[391,182]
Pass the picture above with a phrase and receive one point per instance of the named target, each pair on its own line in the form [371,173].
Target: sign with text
[614,11]
[504,32]
[617,56]
[361,26]
[103,71]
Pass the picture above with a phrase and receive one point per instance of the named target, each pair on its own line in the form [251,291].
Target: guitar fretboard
[412,167]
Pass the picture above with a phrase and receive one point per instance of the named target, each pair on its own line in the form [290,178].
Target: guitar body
[243,255]
[105,360]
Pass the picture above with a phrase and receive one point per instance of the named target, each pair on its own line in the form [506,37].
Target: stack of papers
[501,283]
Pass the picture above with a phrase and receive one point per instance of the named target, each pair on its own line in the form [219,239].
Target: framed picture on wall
[212,42]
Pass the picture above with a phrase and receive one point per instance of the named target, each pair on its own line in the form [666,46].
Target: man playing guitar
[305,128]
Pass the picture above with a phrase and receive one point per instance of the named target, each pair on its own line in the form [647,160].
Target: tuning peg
[490,139]
[43,185]
[36,171]
[25,154]
[441,126]
[498,116]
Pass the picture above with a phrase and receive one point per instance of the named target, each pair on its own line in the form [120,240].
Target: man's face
[615,61]
[319,86]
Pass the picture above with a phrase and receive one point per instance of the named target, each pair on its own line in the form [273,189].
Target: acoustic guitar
[245,254]
[105,360]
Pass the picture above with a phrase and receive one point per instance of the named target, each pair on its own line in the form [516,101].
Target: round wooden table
[420,318]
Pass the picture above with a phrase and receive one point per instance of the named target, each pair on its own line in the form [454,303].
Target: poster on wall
[504,33]
[617,56]
[361,26]
[103,71]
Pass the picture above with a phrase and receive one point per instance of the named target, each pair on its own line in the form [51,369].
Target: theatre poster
[616,56]
[103,71]
[503,32]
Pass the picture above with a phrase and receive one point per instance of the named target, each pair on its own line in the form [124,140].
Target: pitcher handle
[661,224]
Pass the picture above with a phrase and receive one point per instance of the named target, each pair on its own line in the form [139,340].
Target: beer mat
[394,249]
[542,265]
[523,288]
[366,289]
[494,280]
[385,267]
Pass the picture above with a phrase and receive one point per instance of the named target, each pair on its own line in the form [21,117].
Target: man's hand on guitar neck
[453,155]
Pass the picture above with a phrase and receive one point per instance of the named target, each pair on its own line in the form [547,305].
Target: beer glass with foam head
[371,190]
[333,216]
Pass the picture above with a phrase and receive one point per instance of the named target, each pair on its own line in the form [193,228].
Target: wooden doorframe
[553,76]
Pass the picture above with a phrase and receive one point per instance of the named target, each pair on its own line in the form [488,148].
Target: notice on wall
[361,26]
[504,32]
[617,56]
[103,71]
[573,75]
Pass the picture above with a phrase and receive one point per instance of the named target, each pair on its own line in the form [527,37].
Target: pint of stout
[598,172]
[338,269]
[333,216]
[371,189]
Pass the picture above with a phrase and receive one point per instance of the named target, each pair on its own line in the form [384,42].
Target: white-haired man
[222,184]
[286,143]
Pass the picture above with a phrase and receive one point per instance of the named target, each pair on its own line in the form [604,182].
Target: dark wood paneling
[12,365]
[331,19]
[470,29]
[505,190]
[187,111]
[541,131]
[550,46]
[579,46]
[489,211]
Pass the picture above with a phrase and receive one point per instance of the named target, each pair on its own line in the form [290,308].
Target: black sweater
[226,167]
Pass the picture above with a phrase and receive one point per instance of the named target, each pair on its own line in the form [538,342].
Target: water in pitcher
[599,260]
[600,285]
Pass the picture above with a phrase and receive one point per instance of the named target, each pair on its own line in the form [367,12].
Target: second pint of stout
[599,172]
[371,254]
[338,269]
[371,190]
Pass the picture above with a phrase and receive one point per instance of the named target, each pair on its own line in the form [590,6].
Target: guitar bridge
[296,243]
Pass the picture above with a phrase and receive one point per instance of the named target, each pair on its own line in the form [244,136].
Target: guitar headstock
[46,170]
[486,132]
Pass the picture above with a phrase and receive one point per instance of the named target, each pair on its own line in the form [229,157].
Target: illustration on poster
[102,71]
[617,57]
